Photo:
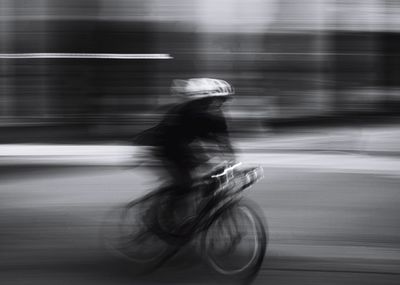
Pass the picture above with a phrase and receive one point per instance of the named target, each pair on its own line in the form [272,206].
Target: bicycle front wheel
[236,242]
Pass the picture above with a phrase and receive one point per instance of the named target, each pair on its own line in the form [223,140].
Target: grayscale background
[317,104]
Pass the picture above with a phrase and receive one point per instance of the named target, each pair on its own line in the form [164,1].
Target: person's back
[189,125]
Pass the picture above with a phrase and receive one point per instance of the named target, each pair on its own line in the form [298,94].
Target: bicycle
[230,232]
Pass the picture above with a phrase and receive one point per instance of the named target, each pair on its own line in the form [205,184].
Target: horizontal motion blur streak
[86,55]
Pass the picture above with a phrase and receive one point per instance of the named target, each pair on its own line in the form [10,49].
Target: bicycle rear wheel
[126,233]
[235,244]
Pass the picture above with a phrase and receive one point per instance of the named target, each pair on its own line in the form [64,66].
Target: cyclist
[182,136]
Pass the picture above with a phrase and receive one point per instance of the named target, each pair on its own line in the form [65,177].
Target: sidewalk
[364,149]
[362,140]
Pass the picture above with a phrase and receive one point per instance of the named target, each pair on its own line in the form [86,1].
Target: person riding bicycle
[182,139]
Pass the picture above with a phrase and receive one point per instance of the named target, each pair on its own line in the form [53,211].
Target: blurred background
[317,104]
[289,61]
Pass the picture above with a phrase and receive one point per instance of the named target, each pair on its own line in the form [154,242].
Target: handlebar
[228,178]
[226,170]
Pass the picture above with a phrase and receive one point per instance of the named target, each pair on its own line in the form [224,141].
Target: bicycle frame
[226,196]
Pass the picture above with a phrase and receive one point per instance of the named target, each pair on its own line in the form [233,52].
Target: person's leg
[182,187]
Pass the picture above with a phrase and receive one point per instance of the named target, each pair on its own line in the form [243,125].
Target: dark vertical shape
[390,70]
[6,66]
[354,61]
[121,89]
[390,44]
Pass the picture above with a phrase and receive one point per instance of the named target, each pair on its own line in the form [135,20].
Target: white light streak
[130,56]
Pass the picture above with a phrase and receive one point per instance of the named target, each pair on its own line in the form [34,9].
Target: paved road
[326,227]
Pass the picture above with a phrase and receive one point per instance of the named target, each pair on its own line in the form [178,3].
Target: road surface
[326,227]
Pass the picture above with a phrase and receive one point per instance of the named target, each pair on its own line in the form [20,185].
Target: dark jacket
[178,135]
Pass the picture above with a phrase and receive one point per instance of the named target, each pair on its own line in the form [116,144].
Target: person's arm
[220,136]
[226,147]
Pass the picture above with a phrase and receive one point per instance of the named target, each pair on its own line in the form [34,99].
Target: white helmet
[197,88]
